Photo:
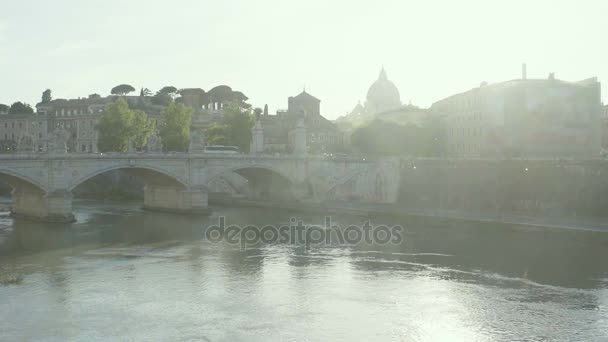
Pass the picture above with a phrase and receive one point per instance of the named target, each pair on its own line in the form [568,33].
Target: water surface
[124,274]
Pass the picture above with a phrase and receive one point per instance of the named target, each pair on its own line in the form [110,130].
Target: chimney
[524,71]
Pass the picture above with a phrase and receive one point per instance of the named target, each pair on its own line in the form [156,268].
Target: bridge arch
[267,182]
[148,174]
[18,181]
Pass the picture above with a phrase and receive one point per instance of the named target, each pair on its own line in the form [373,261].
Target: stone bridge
[179,182]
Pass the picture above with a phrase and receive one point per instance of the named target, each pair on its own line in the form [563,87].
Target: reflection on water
[121,273]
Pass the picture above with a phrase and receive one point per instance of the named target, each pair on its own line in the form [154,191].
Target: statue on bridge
[26,144]
[154,143]
[58,141]
[197,142]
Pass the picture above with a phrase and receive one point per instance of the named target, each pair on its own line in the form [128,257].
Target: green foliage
[168,90]
[46,96]
[216,134]
[4,108]
[175,131]
[122,89]
[119,124]
[238,124]
[20,108]
[161,99]
[141,129]
[145,92]
[388,138]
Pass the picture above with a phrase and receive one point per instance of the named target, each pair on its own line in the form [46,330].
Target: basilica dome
[383,95]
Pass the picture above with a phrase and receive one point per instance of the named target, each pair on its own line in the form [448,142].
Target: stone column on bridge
[299,147]
[257,137]
[176,199]
[55,206]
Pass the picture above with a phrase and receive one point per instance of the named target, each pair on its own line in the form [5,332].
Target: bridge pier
[175,199]
[55,206]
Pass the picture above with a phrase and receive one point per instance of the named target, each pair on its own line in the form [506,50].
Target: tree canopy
[46,96]
[169,90]
[4,108]
[119,125]
[380,137]
[216,134]
[20,108]
[235,129]
[145,92]
[175,131]
[122,89]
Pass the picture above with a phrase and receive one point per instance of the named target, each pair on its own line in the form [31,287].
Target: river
[121,273]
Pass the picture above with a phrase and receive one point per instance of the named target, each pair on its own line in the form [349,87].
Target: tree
[4,108]
[122,89]
[119,124]
[145,92]
[161,99]
[238,124]
[168,90]
[216,134]
[175,131]
[46,96]
[21,108]
[141,129]
[381,137]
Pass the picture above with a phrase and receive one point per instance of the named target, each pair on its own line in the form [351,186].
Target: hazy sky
[271,49]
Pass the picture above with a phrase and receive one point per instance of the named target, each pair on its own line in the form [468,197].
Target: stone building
[208,107]
[546,118]
[22,132]
[29,132]
[382,97]
[605,130]
[383,102]
[322,135]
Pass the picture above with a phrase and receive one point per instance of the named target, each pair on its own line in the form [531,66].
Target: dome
[383,95]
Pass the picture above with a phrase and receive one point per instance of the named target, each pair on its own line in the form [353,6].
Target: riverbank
[371,210]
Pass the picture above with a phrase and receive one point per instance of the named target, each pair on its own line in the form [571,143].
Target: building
[383,102]
[208,107]
[605,129]
[29,132]
[382,96]
[545,118]
[22,132]
[322,135]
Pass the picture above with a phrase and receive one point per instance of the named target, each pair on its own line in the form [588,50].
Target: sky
[273,49]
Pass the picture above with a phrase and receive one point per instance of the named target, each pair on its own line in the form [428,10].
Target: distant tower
[524,71]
